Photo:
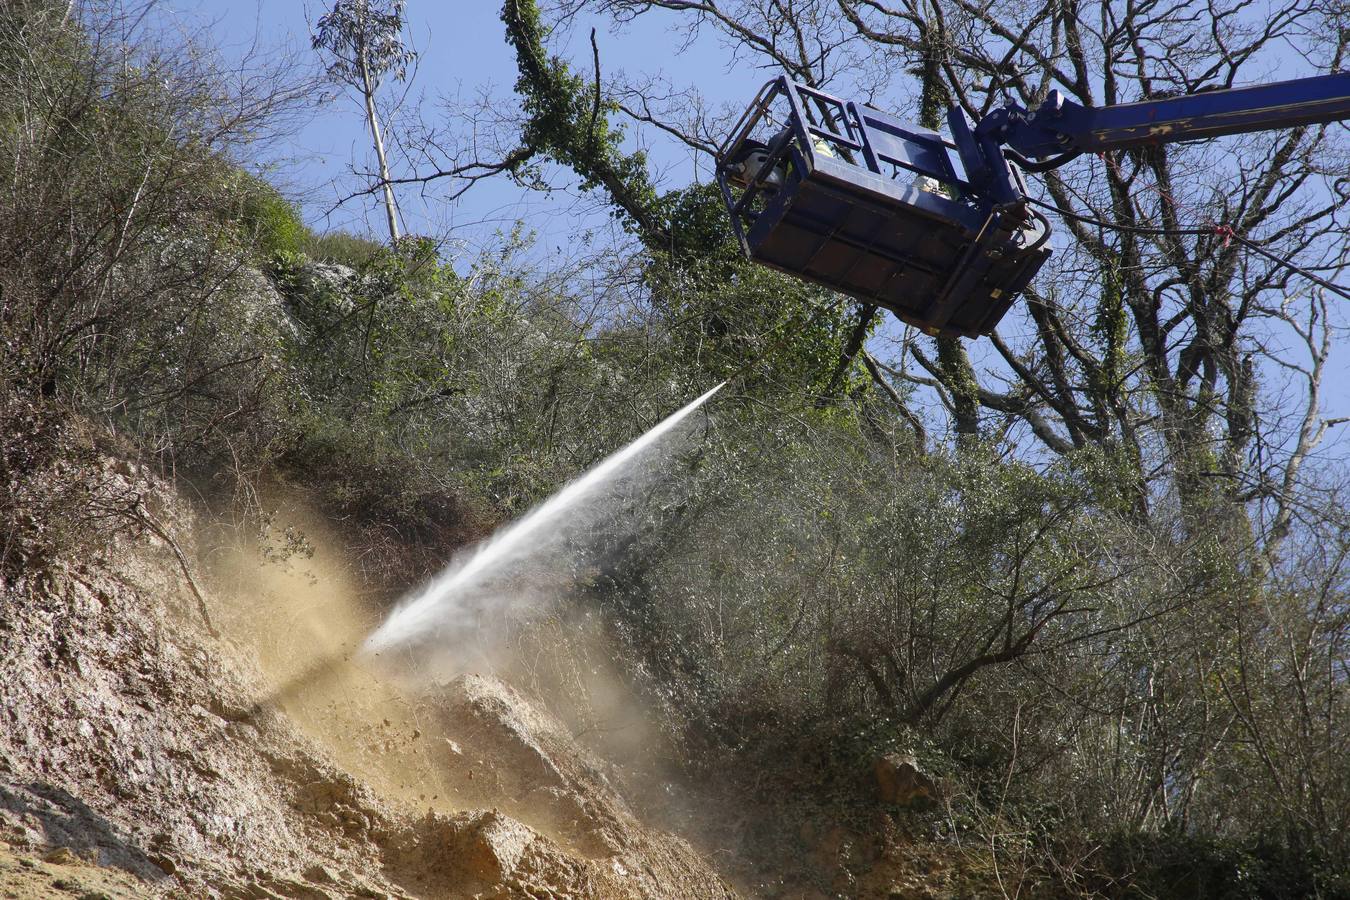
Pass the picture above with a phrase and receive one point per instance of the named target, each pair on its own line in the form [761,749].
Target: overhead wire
[1224,231]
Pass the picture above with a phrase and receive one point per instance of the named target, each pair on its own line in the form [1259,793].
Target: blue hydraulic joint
[982,156]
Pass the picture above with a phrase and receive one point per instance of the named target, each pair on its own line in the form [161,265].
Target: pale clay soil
[168,762]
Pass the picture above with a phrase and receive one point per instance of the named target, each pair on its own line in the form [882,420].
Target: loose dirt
[146,756]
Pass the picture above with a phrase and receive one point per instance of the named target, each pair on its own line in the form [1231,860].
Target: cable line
[1224,231]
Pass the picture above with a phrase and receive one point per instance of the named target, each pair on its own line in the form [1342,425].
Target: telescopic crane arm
[1060,124]
[1060,129]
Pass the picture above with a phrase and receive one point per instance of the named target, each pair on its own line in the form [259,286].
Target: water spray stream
[437,601]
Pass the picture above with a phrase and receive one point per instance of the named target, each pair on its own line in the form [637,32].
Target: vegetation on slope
[1127,665]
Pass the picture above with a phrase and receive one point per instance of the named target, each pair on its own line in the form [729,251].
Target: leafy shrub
[271,222]
[121,273]
[398,514]
[340,248]
[1180,866]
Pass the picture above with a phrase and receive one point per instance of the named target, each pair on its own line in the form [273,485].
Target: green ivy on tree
[725,310]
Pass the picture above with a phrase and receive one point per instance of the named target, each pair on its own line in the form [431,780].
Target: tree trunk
[368,92]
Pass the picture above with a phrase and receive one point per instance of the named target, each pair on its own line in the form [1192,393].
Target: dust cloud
[301,620]
[396,722]
[400,704]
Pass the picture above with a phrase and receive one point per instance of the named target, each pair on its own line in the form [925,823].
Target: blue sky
[462,52]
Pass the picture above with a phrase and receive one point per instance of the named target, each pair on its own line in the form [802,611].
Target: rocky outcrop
[900,781]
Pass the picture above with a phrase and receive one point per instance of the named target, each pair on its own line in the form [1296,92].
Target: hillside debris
[135,743]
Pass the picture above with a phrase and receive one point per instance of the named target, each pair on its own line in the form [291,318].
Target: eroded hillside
[259,763]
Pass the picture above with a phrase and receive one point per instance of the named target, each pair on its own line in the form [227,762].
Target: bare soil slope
[169,761]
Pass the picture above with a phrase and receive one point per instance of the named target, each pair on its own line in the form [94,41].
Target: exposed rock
[491,846]
[330,280]
[900,782]
[320,874]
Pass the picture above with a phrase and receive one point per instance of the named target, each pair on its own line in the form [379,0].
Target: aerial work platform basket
[853,199]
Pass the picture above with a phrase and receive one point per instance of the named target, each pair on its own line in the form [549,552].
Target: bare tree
[1164,331]
[127,281]
[1174,353]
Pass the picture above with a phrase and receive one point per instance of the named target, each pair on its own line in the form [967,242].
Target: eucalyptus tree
[364,43]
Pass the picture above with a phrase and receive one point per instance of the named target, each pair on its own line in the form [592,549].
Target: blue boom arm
[1060,128]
